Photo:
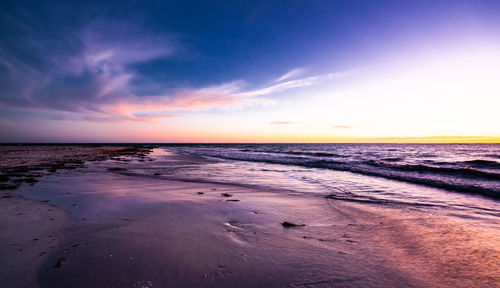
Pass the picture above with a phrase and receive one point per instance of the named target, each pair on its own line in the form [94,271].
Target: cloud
[184,100]
[226,95]
[93,78]
[77,69]
[297,83]
[291,74]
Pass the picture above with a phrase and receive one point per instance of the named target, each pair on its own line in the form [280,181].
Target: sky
[250,71]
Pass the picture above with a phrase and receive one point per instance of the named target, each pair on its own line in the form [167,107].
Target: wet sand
[29,231]
[111,228]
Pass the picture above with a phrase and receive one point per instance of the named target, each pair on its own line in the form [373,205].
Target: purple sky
[256,71]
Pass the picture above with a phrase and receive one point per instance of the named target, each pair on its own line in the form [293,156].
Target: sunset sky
[250,71]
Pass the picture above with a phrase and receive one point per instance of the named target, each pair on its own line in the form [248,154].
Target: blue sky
[247,71]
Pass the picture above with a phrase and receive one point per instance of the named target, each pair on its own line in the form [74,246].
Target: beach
[149,144]
[127,219]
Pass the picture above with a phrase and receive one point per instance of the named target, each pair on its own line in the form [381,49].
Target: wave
[296,152]
[436,183]
[457,171]
[437,177]
[393,159]
[497,156]
[373,200]
[316,154]
[480,163]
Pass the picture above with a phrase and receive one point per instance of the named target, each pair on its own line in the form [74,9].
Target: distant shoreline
[234,143]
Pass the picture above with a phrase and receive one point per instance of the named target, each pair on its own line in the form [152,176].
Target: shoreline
[166,232]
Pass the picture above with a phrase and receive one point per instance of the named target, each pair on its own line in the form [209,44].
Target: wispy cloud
[297,83]
[232,94]
[185,100]
[95,79]
[291,74]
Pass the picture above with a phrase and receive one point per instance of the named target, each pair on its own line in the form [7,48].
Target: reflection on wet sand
[132,228]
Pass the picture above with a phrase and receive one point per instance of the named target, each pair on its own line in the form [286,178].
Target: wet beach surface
[115,227]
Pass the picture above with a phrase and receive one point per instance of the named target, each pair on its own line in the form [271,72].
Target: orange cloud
[222,96]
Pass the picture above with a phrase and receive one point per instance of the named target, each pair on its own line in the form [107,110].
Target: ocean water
[462,180]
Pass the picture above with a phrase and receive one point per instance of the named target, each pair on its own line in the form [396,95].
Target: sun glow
[450,95]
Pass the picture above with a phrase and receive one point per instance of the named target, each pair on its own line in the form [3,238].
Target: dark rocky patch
[310,237]
[73,161]
[9,186]
[26,180]
[116,169]
[59,262]
[291,224]
[125,219]
[30,180]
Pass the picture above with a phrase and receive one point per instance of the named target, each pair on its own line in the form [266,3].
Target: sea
[459,180]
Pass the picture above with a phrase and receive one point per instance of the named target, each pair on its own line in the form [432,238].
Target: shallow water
[131,228]
[456,180]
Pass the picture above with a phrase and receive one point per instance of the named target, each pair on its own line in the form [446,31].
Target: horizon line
[345,140]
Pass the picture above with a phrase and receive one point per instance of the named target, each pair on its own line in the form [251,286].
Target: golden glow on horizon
[148,132]
[441,97]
